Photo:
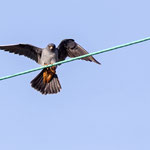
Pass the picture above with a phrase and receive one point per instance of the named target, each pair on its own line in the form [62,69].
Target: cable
[75,58]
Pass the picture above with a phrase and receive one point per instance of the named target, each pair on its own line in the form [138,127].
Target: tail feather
[53,87]
[57,84]
[57,89]
[35,82]
[46,88]
[39,84]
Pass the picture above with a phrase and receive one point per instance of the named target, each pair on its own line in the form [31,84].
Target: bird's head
[51,47]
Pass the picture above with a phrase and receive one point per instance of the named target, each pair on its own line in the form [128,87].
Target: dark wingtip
[97,62]
[94,60]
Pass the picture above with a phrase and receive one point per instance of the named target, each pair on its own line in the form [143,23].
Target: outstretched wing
[27,50]
[69,47]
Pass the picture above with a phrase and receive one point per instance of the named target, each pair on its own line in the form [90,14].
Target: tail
[53,86]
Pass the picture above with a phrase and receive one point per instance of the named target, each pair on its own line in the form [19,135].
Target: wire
[75,58]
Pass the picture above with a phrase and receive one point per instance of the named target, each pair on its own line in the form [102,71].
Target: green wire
[75,58]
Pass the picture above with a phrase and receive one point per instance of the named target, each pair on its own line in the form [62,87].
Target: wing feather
[27,50]
[69,47]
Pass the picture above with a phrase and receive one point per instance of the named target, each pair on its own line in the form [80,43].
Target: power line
[75,58]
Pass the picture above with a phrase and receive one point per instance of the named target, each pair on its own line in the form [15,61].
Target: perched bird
[47,81]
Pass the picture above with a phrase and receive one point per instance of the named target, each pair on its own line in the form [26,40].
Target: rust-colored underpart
[48,74]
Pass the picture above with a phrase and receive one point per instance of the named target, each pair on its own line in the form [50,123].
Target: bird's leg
[53,69]
[48,73]
[51,72]
[45,74]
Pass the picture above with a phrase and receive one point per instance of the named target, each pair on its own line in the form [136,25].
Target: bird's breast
[48,58]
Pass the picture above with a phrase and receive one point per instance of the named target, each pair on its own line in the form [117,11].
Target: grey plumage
[48,55]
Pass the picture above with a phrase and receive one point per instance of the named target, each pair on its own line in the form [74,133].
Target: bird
[47,82]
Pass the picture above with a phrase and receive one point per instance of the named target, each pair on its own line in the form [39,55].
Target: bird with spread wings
[47,81]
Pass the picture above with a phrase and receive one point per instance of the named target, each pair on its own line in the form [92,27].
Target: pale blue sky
[100,107]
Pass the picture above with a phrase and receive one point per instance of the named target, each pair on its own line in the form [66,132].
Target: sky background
[99,107]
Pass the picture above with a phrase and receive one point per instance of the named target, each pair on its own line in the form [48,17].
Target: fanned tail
[53,86]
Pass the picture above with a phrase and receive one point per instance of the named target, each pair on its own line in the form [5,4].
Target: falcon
[47,81]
